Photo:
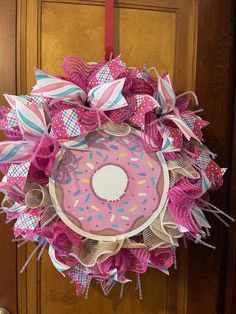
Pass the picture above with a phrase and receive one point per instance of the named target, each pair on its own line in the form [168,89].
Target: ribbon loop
[37,196]
[109,24]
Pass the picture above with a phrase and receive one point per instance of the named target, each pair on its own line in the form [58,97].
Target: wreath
[107,168]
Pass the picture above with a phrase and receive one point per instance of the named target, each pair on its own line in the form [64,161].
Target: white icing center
[110,182]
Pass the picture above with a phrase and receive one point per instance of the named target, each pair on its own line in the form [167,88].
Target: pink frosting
[140,199]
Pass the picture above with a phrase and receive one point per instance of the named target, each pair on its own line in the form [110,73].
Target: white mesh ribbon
[181,168]
[163,232]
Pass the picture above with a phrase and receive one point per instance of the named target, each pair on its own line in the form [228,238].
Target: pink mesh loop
[151,138]
[44,153]
[162,258]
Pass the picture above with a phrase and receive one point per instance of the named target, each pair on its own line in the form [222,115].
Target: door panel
[8,289]
[207,268]
[161,33]
[136,37]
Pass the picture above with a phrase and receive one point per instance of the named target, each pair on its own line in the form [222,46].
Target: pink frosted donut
[113,189]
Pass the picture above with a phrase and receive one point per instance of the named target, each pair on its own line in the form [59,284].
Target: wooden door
[164,34]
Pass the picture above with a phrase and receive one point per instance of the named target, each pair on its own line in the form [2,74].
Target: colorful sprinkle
[89,218]
[81,209]
[140,182]
[106,158]
[77,192]
[76,203]
[125,140]
[98,153]
[134,159]
[123,155]
[142,194]
[112,218]
[114,147]
[69,180]
[109,206]
[149,164]
[95,208]
[89,165]
[142,174]
[91,155]
[153,180]
[132,209]
[115,226]
[78,172]
[126,203]
[87,197]
[135,165]
[120,210]
[81,218]
[134,147]
[125,217]
[142,155]
[86,181]
[100,216]
[144,201]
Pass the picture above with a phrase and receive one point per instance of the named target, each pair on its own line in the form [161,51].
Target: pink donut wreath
[106,167]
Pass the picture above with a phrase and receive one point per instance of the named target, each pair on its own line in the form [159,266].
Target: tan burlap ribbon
[163,232]
[36,196]
[7,202]
[49,216]
[91,252]
[180,168]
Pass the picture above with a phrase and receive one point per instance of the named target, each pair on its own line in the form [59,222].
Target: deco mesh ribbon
[59,113]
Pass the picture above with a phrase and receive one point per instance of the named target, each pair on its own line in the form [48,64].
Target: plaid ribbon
[70,120]
[80,276]
[17,174]
[26,223]
[109,72]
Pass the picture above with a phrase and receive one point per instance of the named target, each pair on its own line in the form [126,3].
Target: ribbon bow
[37,145]
[164,130]
[108,91]
[101,92]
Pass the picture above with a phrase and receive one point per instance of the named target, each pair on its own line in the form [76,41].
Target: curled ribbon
[39,147]
[92,252]
[37,196]
[163,130]
[165,133]
[136,260]
[163,233]
[181,168]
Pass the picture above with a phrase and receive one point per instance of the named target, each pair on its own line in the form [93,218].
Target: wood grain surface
[157,32]
[8,291]
[213,86]
[193,40]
